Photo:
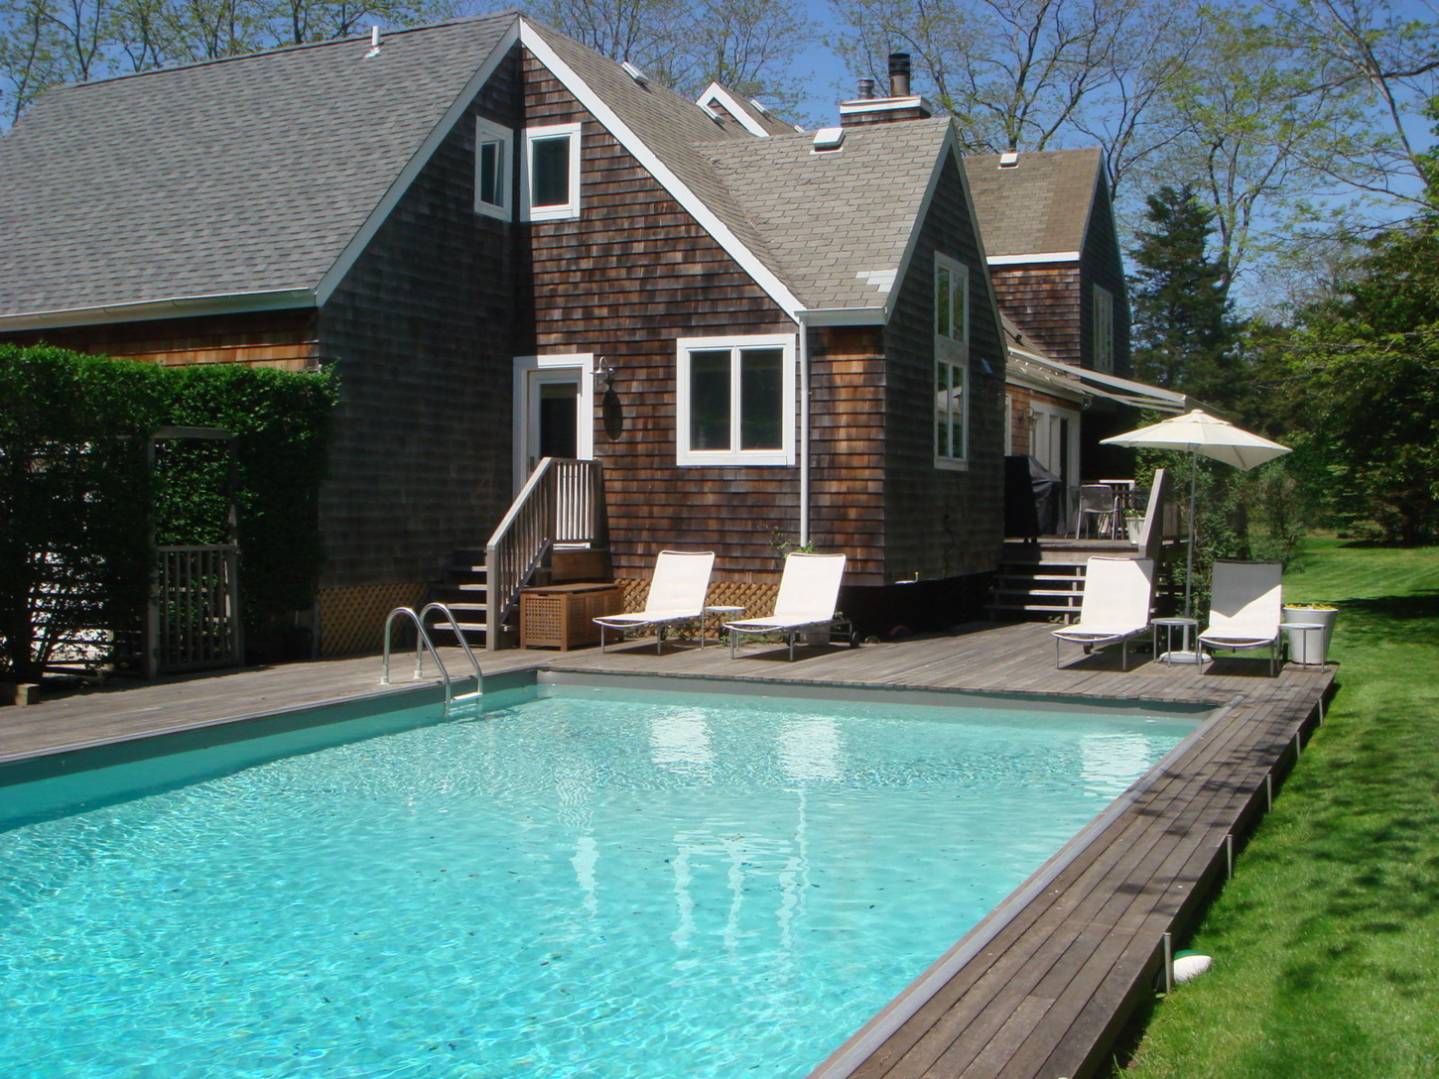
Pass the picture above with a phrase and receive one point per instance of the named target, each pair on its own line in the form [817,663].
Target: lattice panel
[352,620]
[757,598]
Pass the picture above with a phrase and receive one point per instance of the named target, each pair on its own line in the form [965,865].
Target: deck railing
[562,502]
[195,608]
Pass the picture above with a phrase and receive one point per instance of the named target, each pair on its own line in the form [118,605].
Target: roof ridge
[281,50]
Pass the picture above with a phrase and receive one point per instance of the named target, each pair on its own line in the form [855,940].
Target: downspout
[803,429]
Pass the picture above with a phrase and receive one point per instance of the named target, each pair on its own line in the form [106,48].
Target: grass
[1326,942]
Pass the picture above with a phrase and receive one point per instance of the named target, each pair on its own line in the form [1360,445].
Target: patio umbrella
[1200,433]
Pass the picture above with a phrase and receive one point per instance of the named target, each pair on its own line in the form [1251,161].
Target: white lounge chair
[808,595]
[1118,594]
[677,594]
[1245,607]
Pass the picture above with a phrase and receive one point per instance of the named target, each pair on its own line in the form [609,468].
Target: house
[513,248]
[1058,275]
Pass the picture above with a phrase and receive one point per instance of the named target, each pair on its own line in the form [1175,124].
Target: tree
[1034,74]
[747,45]
[1365,378]
[1184,331]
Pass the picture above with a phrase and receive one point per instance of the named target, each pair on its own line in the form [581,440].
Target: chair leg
[791,647]
[602,640]
[1124,655]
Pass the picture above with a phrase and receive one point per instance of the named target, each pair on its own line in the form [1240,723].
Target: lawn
[1326,942]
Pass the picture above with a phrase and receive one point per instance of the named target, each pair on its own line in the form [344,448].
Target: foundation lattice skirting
[352,620]
[757,598]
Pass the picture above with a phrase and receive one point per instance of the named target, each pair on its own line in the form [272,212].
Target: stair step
[1067,593]
[1033,607]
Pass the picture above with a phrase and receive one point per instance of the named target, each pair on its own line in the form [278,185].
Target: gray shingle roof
[673,127]
[839,221]
[253,174]
[235,176]
[1041,206]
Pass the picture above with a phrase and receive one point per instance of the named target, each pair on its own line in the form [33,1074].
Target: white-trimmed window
[951,363]
[1103,325]
[550,173]
[494,147]
[735,400]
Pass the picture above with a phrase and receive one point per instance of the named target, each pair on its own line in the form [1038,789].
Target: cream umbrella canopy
[1200,433]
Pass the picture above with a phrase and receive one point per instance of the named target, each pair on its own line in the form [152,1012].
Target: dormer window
[493,148]
[550,180]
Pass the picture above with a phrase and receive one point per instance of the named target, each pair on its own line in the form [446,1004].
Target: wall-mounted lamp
[605,371]
[611,410]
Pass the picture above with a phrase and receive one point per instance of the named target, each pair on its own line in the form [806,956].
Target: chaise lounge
[1118,596]
[808,595]
[677,594]
[1245,607]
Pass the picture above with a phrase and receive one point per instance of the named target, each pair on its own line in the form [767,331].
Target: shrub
[78,505]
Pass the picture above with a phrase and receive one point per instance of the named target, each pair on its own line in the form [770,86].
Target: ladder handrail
[422,642]
[459,636]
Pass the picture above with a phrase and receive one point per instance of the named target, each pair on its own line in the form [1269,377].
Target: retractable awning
[1100,384]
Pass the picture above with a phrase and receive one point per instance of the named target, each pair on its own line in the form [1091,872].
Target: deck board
[1047,992]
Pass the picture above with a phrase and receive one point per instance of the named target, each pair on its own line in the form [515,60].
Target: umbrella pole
[1189,553]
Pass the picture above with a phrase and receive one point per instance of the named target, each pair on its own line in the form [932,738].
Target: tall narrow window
[951,363]
[1103,329]
[492,169]
[550,186]
[735,400]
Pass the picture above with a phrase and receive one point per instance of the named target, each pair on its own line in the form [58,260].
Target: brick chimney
[901,104]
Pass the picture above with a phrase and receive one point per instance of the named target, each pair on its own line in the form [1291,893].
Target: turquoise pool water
[581,885]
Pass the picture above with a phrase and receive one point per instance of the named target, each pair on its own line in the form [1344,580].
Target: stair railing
[561,502]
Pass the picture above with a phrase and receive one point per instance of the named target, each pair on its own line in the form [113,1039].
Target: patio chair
[1245,607]
[808,595]
[1118,594]
[677,594]
[1096,503]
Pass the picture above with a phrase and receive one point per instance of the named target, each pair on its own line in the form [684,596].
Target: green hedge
[78,504]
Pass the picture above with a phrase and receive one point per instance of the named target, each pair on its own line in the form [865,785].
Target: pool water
[653,885]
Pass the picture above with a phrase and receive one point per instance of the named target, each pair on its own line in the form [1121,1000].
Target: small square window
[493,171]
[735,401]
[550,184]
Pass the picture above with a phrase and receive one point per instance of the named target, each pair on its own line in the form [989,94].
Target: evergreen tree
[1185,334]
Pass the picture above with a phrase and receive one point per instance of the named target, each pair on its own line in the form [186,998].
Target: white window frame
[568,211]
[487,132]
[952,350]
[1103,328]
[785,455]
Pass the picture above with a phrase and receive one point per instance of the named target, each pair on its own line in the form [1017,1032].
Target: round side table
[1169,655]
[1306,649]
[721,613]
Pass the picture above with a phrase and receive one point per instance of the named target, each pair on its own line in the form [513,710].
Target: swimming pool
[591,882]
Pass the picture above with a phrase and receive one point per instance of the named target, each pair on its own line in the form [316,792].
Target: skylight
[828,138]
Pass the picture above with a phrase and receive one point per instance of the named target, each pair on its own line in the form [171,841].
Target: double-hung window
[550,173]
[951,363]
[493,148]
[735,400]
[1103,329]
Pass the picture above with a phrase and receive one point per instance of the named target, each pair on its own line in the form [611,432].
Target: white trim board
[715,93]
[764,277]
[1044,256]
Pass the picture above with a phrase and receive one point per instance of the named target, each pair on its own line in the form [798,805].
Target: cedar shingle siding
[942,523]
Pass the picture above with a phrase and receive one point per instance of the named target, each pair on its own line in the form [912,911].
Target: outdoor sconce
[611,410]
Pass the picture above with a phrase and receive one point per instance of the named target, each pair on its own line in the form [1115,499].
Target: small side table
[722,614]
[1305,628]
[1169,655]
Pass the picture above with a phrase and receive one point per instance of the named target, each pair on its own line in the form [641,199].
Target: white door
[1054,440]
[553,411]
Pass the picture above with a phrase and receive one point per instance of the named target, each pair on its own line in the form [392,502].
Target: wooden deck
[1043,986]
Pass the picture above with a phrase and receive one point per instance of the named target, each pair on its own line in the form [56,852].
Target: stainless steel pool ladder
[423,642]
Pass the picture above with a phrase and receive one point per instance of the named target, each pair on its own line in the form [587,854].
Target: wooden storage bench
[562,615]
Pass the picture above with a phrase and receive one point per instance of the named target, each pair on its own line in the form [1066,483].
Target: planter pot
[1309,646]
[1134,526]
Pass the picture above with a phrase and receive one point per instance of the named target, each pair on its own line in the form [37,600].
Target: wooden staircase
[1044,582]
[465,591]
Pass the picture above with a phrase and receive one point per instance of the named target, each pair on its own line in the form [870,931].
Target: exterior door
[553,411]
[1054,440]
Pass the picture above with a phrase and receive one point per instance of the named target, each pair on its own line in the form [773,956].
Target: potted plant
[1306,646]
[1134,525]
